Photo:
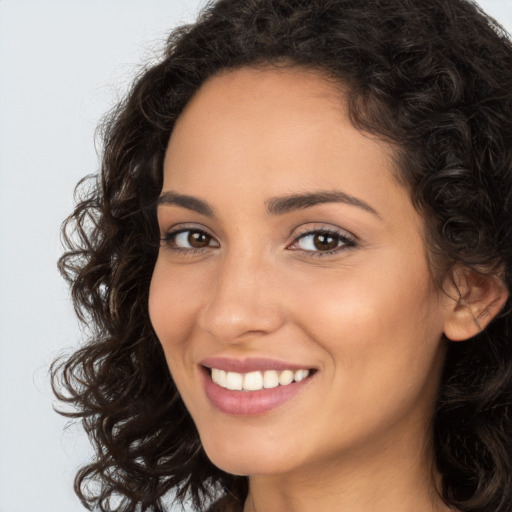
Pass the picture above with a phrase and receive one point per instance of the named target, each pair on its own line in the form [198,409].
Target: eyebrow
[275,206]
[281,205]
[188,202]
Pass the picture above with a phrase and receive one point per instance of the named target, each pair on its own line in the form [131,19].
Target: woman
[296,266]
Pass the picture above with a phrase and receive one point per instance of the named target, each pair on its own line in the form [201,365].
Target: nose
[243,303]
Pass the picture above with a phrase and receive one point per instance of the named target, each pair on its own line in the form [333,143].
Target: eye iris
[325,242]
[197,239]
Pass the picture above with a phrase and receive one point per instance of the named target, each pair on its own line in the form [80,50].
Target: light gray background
[63,63]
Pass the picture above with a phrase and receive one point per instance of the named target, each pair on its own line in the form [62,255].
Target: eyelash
[169,240]
[346,241]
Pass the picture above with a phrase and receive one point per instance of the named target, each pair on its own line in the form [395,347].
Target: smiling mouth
[257,380]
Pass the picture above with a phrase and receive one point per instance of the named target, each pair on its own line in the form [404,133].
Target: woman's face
[290,253]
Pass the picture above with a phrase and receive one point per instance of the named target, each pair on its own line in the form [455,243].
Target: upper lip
[252,364]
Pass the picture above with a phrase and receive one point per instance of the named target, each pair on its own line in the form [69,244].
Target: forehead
[290,120]
[272,84]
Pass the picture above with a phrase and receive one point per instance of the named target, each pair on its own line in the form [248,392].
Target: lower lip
[249,403]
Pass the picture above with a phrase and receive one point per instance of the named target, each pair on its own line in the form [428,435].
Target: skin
[366,316]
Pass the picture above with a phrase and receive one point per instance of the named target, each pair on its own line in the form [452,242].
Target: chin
[247,458]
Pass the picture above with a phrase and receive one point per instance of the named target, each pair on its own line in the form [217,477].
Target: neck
[394,479]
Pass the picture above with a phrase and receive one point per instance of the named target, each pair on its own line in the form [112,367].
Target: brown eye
[198,239]
[322,242]
[189,239]
[325,242]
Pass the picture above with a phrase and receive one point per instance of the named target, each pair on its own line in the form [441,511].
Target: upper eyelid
[322,228]
[184,226]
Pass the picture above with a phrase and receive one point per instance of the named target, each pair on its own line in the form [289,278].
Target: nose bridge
[242,300]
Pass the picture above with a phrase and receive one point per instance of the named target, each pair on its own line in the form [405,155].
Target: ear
[475,300]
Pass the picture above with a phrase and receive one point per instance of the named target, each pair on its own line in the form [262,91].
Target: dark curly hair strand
[434,78]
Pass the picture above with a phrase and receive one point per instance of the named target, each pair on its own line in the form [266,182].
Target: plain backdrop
[63,63]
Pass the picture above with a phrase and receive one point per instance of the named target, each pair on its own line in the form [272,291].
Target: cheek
[382,337]
[363,314]
[172,305]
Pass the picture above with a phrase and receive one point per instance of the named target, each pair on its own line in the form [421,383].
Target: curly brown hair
[434,77]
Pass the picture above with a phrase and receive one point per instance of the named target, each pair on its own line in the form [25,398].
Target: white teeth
[270,379]
[234,381]
[286,378]
[219,376]
[301,375]
[254,381]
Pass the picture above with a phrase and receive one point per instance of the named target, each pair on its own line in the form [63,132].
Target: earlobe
[475,300]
